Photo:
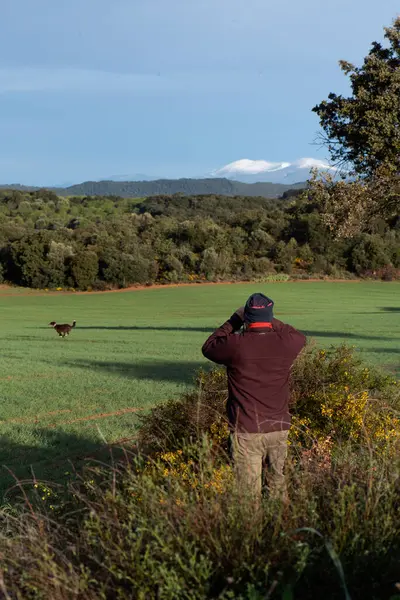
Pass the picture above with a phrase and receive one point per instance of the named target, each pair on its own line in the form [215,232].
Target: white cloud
[251,167]
[246,166]
[312,163]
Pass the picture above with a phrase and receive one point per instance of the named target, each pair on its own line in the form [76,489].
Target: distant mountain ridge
[168,187]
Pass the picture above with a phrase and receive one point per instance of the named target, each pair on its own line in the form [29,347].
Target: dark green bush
[84,267]
[368,253]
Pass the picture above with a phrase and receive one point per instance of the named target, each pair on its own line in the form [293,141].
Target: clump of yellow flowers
[190,473]
[343,405]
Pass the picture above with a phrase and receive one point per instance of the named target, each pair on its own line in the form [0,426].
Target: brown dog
[64,329]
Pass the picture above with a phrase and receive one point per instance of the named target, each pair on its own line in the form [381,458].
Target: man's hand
[240,312]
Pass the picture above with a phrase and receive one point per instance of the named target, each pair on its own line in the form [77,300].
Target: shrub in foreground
[334,396]
[142,530]
[171,524]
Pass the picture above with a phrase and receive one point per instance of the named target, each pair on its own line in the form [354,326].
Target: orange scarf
[259,326]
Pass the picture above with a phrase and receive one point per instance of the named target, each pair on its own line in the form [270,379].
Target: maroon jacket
[258,364]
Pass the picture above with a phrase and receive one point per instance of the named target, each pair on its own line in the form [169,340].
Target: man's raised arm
[218,347]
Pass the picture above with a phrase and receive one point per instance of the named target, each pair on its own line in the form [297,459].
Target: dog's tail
[73,323]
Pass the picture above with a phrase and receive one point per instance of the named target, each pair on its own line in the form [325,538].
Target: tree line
[188,187]
[335,227]
[47,241]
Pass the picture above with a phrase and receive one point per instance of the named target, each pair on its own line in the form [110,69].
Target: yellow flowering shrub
[182,469]
[335,396]
[219,432]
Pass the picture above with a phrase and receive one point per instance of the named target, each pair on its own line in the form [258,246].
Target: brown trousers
[251,452]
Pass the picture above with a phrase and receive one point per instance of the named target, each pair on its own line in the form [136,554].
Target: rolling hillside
[135,189]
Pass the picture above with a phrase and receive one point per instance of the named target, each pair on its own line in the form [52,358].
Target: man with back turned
[258,361]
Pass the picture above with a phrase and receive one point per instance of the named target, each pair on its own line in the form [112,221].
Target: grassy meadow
[64,398]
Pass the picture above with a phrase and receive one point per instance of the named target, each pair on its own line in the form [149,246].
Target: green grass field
[63,398]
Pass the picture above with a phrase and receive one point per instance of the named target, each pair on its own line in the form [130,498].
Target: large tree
[363,130]
[348,208]
[362,133]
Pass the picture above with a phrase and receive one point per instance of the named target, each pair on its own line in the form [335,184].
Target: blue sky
[97,88]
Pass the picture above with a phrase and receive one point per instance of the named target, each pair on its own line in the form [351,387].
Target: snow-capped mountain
[251,171]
